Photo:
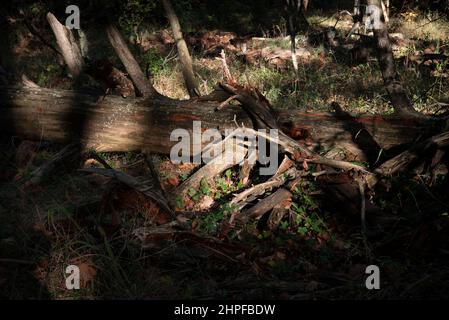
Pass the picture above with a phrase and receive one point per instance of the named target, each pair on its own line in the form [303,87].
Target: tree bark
[135,124]
[183,51]
[393,83]
[294,11]
[101,70]
[68,46]
[132,67]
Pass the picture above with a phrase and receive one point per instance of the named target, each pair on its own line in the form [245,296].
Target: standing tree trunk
[293,10]
[183,51]
[68,46]
[118,43]
[393,83]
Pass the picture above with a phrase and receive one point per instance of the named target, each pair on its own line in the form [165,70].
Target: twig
[145,185]
[226,102]
[429,22]
[362,206]
[227,74]
[28,83]
[344,165]
[96,156]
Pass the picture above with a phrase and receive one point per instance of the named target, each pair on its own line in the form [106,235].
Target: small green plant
[306,219]
[209,223]
[228,173]
[154,62]
[266,234]
[227,185]
[204,187]
[194,194]
[183,176]
[179,202]
[221,183]
[47,74]
[203,190]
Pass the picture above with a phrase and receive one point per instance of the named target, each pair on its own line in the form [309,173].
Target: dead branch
[261,111]
[267,204]
[249,195]
[293,148]
[26,82]
[145,185]
[410,157]
[217,165]
[102,70]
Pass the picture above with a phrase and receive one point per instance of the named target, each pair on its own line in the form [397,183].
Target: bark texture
[112,123]
[183,51]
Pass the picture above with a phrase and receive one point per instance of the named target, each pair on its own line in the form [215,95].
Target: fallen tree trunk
[116,124]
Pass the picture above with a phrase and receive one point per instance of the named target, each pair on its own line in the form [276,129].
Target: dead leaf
[174,181]
[87,273]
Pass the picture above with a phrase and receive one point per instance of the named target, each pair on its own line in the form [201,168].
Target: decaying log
[411,157]
[108,123]
[116,124]
[275,56]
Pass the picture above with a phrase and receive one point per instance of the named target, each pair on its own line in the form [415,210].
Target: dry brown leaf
[87,273]
[173,180]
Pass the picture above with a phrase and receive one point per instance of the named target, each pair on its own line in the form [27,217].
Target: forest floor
[318,251]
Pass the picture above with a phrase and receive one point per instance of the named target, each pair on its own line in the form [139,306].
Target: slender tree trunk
[357,18]
[183,51]
[132,67]
[393,83]
[294,14]
[386,10]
